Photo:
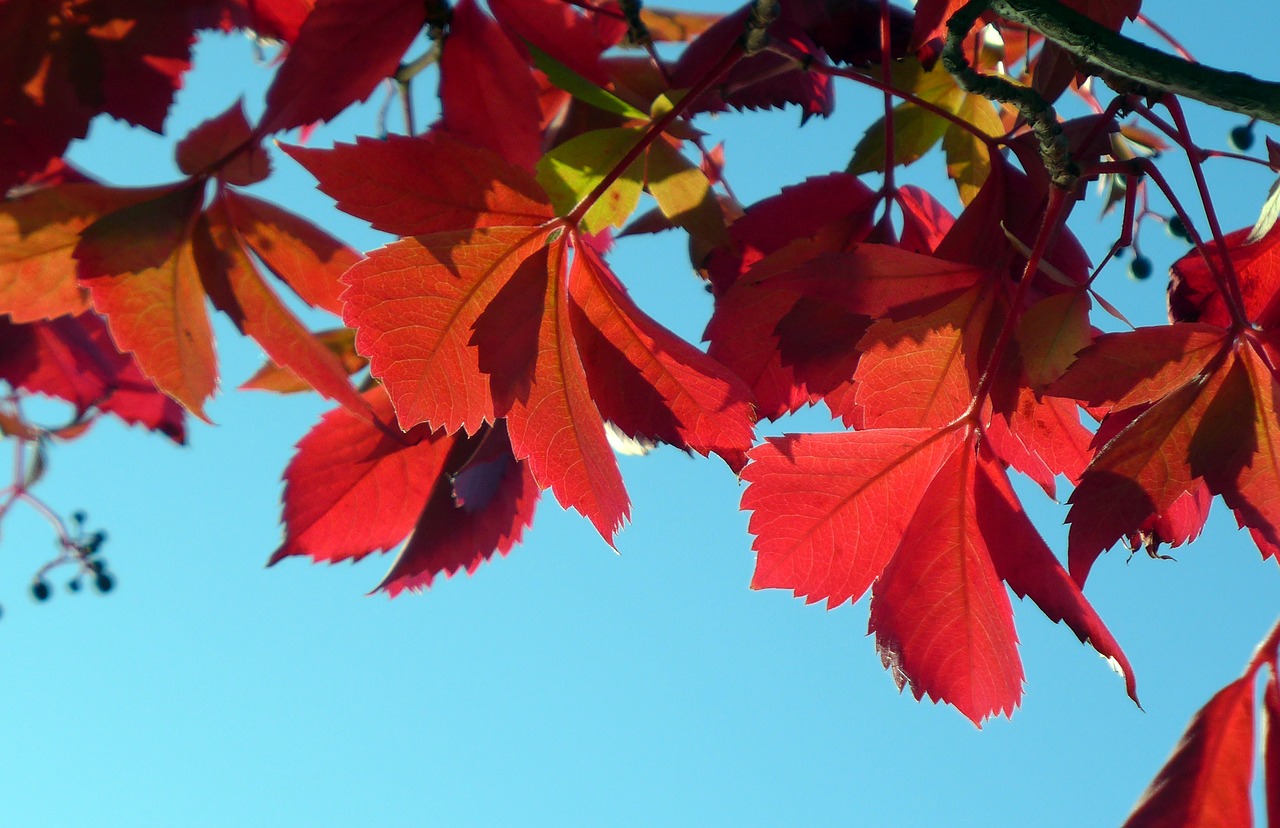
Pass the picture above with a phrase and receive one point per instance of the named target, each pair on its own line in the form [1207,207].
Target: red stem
[1055,213]
[653,132]
[1233,293]
[886,77]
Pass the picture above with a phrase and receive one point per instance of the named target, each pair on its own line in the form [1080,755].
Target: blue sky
[564,684]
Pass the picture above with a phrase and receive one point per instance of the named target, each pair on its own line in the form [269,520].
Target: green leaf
[562,77]
[571,171]
[684,194]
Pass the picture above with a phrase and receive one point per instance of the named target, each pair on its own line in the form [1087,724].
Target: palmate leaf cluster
[491,353]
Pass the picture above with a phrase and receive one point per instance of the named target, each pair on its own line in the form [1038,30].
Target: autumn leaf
[484,509]
[487,92]
[1025,563]
[141,273]
[940,614]
[64,63]
[316,82]
[574,37]
[341,342]
[1206,781]
[233,283]
[1050,334]
[297,252]
[650,383]
[38,234]
[414,305]
[921,372]
[383,182]
[72,358]
[766,335]
[1140,472]
[356,487]
[831,542]
[224,146]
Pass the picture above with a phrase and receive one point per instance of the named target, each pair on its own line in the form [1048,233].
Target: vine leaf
[487,91]
[38,233]
[524,321]
[357,486]
[831,543]
[318,80]
[1206,781]
[72,358]
[940,614]
[140,269]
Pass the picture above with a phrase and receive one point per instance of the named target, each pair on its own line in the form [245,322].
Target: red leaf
[484,509]
[557,427]
[1122,370]
[743,335]
[225,145]
[1011,204]
[1041,438]
[941,616]
[306,258]
[834,210]
[921,372]
[487,92]
[318,78]
[1024,562]
[876,280]
[356,487]
[74,359]
[925,222]
[426,184]
[63,63]
[414,305]
[832,541]
[766,336]
[1139,473]
[649,382]
[1242,463]
[1193,291]
[141,273]
[573,37]
[238,291]
[762,81]
[1206,780]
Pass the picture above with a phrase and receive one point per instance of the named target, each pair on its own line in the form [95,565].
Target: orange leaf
[38,233]
[141,272]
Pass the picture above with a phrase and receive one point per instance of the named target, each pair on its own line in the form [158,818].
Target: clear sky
[566,685]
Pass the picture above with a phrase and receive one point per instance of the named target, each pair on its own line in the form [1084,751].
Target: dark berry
[94,543]
[1140,267]
[1177,229]
[40,591]
[1242,137]
[103,582]
[74,585]
[78,517]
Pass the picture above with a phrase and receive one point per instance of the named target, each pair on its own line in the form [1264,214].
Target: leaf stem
[1054,215]
[886,78]
[1231,281]
[654,131]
